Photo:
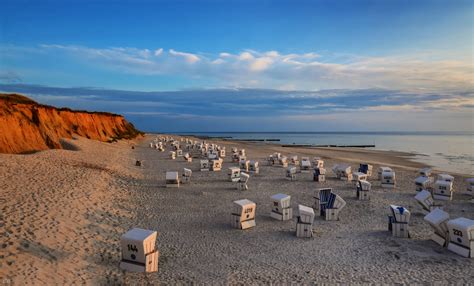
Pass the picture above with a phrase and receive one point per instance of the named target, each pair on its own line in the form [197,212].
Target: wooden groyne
[255,140]
[325,146]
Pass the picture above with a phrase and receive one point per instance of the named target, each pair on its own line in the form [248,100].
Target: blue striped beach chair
[324,200]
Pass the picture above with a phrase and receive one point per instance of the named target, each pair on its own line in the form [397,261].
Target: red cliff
[26,126]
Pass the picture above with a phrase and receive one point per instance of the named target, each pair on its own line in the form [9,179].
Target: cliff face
[26,126]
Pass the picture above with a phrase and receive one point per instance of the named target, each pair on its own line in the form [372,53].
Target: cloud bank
[272,69]
[246,109]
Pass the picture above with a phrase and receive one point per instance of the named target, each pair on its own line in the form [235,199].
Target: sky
[176,66]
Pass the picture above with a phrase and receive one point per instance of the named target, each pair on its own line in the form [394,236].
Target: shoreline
[410,159]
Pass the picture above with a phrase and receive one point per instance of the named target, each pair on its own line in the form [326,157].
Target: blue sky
[354,61]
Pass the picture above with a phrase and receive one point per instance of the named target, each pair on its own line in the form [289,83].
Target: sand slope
[61,213]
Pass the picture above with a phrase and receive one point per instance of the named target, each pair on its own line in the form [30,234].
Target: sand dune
[62,211]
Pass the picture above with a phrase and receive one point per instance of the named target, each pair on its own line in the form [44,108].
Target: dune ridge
[26,126]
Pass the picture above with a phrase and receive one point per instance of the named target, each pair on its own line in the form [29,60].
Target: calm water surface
[447,151]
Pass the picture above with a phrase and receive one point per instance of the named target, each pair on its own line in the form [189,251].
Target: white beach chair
[172,179]
[244,164]
[243,214]
[234,174]
[425,199]
[304,223]
[443,190]
[398,221]
[294,160]
[318,162]
[187,173]
[425,172]
[446,178]
[204,165]
[305,165]
[244,178]
[172,155]
[357,176]
[363,190]
[388,179]
[461,236]
[319,175]
[281,208]
[138,251]
[422,183]
[253,167]
[383,170]
[291,173]
[216,165]
[366,169]
[438,220]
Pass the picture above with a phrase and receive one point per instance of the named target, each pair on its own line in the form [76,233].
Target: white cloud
[159,52]
[261,64]
[190,58]
[218,61]
[245,56]
[270,69]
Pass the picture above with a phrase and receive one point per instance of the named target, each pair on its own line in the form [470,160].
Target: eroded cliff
[26,126]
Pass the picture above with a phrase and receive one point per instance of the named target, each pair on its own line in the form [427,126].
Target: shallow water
[447,151]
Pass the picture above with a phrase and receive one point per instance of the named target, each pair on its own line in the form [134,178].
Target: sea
[444,151]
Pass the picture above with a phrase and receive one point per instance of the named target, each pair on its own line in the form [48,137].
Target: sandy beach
[63,212]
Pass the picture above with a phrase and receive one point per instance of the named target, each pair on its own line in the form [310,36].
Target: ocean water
[446,151]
